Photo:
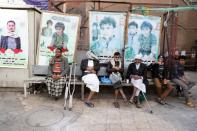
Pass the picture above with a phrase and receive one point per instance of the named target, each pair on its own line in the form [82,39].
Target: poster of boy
[143,38]
[13,38]
[57,31]
[106,31]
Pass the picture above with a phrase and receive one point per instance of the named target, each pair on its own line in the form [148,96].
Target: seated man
[114,68]
[58,69]
[90,67]
[178,77]
[159,75]
[137,72]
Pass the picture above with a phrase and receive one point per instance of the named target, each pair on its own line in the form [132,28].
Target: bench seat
[42,70]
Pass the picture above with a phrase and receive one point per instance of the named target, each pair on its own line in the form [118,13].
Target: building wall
[186,31]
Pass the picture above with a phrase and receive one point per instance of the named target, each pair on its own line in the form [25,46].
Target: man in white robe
[137,73]
[90,67]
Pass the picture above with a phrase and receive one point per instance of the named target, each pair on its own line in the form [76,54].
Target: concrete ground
[41,113]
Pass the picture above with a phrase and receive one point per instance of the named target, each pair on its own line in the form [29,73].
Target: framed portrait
[106,33]
[57,30]
[143,37]
[13,38]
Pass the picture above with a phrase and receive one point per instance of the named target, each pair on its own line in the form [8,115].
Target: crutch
[67,88]
[70,104]
[151,111]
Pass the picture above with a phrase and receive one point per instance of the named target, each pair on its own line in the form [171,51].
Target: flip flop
[190,104]
[116,105]
[160,101]
[89,104]
[131,101]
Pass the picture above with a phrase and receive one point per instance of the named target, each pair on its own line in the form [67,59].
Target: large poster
[13,38]
[57,31]
[106,31]
[143,38]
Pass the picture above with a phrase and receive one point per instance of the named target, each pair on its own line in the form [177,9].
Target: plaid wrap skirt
[55,87]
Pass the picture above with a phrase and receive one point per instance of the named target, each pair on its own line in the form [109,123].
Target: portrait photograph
[106,33]
[57,30]
[13,38]
[143,37]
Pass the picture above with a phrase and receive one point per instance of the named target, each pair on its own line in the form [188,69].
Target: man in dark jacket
[159,75]
[89,68]
[137,72]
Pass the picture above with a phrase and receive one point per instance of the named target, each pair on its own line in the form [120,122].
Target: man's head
[58,52]
[138,59]
[160,58]
[59,27]
[146,28]
[11,26]
[176,54]
[116,56]
[107,25]
[49,22]
[182,60]
[132,28]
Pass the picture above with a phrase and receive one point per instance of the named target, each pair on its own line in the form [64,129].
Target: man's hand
[56,77]
[91,69]
[136,77]
[184,80]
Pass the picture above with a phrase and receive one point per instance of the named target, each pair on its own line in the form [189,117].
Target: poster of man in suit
[13,38]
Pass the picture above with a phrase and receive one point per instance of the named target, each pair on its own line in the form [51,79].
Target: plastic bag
[105,80]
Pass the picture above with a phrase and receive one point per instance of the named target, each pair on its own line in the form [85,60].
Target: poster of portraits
[106,31]
[57,31]
[13,38]
[143,38]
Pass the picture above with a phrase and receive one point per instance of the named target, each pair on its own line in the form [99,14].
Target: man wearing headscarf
[115,70]
[137,74]
[90,67]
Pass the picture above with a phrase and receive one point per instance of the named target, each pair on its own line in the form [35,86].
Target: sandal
[125,100]
[190,104]
[160,101]
[131,101]
[89,104]
[116,105]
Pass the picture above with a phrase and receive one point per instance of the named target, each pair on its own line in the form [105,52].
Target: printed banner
[106,31]
[143,38]
[57,31]
[43,4]
[13,38]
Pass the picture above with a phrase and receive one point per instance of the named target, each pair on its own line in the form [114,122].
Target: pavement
[39,112]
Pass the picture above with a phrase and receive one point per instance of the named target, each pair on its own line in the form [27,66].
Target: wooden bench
[39,76]
[40,73]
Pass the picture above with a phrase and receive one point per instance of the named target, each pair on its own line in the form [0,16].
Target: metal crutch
[67,88]
[151,111]
[70,104]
